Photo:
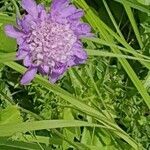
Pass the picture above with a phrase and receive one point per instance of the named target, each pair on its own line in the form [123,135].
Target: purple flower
[49,42]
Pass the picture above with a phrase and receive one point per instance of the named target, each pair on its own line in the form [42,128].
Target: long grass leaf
[135,5]
[133,23]
[109,54]
[10,129]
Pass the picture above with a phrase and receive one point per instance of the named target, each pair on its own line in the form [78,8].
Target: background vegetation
[102,105]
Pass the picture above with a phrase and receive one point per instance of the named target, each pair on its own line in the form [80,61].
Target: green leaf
[86,137]
[69,133]
[10,115]
[144,2]
[5,57]
[6,44]
[8,144]
[41,139]
[11,129]
[135,5]
[109,54]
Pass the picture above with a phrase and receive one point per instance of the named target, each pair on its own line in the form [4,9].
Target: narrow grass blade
[133,23]
[5,57]
[17,145]
[11,129]
[103,42]
[135,5]
[113,19]
[109,54]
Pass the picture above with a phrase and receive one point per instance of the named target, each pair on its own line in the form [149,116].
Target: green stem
[17,8]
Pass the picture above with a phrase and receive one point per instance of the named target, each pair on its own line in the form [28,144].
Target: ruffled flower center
[51,42]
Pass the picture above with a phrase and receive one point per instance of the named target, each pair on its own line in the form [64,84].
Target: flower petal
[77,15]
[13,32]
[40,8]
[24,46]
[56,8]
[79,60]
[31,7]
[44,69]
[21,54]
[25,23]
[27,61]
[57,72]
[83,30]
[79,54]
[68,11]
[28,76]
[71,62]
[59,4]
[42,14]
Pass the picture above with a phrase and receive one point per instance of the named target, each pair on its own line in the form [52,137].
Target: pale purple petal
[24,46]
[79,52]
[31,7]
[43,15]
[56,10]
[79,58]
[40,8]
[59,4]
[13,32]
[57,72]
[77,45]
[44,69]
[68,11]
[83,30]
[20,40]
[63,14]
[28,76]
[27,23]
[79,61]
[27,61]
[77,15]
[21,54]
[71,62]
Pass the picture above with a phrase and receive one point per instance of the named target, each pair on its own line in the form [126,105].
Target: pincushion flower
[49,42]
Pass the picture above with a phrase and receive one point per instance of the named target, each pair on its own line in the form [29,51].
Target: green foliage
[103,104]
[7,44]
[144,2]
[10,115]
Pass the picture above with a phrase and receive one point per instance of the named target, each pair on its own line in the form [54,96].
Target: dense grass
[101,105]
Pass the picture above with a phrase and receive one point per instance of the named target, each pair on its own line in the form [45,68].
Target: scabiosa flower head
[49,42]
